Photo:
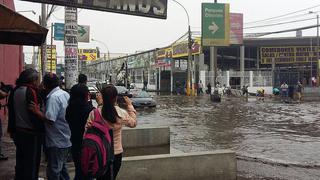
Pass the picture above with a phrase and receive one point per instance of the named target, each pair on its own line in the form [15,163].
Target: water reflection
[274,131]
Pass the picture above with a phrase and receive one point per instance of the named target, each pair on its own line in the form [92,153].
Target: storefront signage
[51,64]
[146,8]
[290,54]
[87,54]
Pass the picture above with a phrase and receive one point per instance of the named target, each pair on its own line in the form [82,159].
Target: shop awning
[19,30]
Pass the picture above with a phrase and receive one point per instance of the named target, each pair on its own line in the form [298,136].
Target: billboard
[181,49]
[146,8]
[236,28]
[87,54]
[289,54]
[215,28]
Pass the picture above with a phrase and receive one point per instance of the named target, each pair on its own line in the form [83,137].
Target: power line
[277,24]
[276,17]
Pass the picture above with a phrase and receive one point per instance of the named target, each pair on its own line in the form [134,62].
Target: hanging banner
[145,8]
[215,27]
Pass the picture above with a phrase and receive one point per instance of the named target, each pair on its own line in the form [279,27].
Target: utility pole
[71,46]
[317,50]
[43,23]
[214,62]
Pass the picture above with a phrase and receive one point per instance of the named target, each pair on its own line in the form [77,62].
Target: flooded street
[271,140]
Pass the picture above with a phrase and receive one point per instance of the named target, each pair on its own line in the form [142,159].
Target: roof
[18,30]
[282,41]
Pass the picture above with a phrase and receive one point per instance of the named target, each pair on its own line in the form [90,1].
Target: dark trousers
[56,167]
[116,167]
[28,155]
[76,152]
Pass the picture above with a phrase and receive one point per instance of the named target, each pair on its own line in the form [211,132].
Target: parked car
[93,91]
[142,99]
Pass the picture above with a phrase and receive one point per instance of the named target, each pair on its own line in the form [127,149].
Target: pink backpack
[97,151]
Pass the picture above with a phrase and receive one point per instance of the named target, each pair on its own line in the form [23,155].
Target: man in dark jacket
[26,129]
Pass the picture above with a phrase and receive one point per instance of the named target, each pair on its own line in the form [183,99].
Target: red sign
[236,28]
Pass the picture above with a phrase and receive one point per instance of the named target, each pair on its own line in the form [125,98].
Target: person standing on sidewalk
[76,115]
[58,133]
[24,126]
[116,117]
[2,96]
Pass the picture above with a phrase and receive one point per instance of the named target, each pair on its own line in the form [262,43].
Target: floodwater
[272,140]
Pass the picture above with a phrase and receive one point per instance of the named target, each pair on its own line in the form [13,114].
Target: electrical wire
[276,17]
[277,24]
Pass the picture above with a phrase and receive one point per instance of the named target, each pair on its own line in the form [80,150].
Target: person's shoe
[3,157]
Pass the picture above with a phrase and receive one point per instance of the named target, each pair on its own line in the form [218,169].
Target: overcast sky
[127,34]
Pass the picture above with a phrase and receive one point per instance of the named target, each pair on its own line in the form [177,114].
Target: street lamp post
[317,49]
[105,46]
[189,73]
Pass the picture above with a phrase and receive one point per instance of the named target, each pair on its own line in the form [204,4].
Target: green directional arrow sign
[81,30]
[215,24]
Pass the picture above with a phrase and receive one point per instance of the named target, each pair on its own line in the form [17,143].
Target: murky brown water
[282,137]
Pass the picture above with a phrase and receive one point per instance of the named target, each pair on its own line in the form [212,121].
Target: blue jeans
[56,167]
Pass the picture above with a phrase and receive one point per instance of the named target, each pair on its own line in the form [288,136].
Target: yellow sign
[289,54]
[179,50]
[51,59]
[87,54]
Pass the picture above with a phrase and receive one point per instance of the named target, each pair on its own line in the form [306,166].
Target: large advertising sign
[178,50]
[87,54]
[181,49]
[236,28]
[146,8]
[215,27]
[290,54]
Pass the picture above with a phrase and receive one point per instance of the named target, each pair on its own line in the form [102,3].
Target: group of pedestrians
[50,119]
[288,91]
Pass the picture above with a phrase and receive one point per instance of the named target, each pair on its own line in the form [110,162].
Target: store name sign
[146,8]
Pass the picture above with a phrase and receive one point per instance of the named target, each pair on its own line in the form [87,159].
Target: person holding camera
[2,96]
[115,117]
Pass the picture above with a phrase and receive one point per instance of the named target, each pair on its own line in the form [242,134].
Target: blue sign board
[59,31]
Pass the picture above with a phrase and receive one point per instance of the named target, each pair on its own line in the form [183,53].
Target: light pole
[189,74]
[105,46]
[317,49]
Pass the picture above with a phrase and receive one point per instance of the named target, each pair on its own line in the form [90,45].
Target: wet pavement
[272,139]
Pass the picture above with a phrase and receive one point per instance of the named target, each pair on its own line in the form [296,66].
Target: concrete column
[201,62]
[242,55]
[159,79]
[251,78]
[213,65]
[258,58]
[228,78]
[171,74]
